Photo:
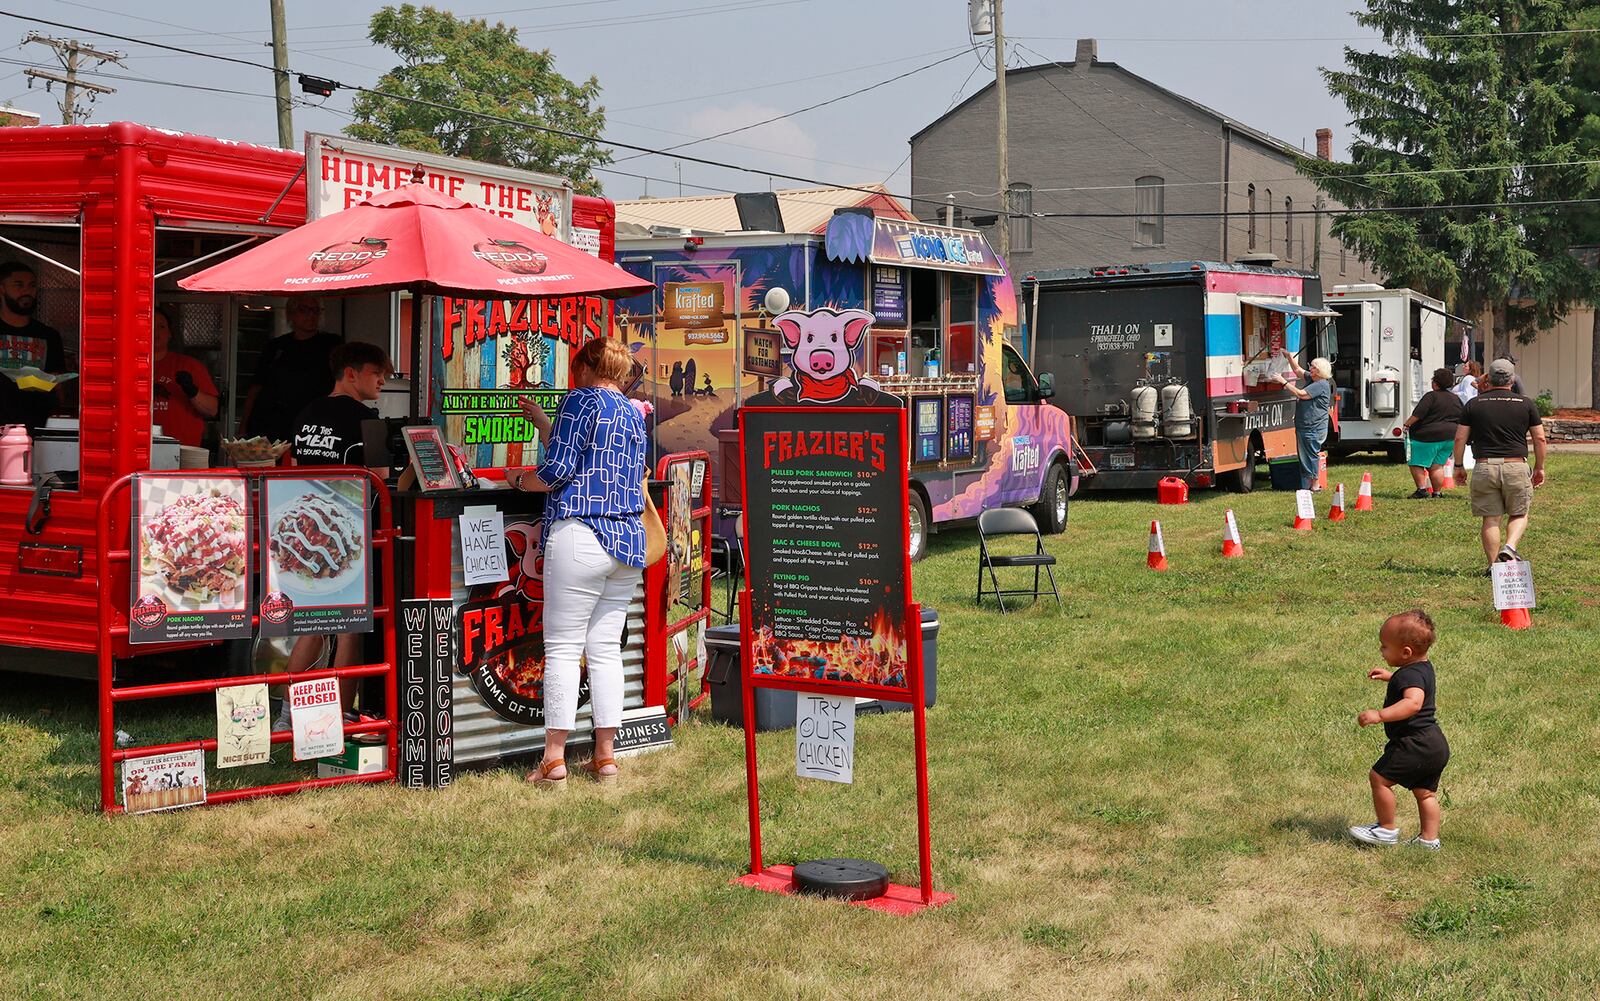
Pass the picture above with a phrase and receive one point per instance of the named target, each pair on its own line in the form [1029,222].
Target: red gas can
[1172,490]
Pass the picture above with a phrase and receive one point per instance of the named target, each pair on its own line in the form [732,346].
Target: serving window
[44,302]
[941,328]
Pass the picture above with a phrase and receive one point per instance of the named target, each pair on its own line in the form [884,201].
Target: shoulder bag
[655,535]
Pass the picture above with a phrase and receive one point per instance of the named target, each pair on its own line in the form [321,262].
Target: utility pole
[71,53]
[1316,249]
[280,75]
[1003,228]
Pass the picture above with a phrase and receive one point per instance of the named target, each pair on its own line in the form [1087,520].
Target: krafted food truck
[984,429]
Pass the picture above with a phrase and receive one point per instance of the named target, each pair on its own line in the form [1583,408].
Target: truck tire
[1051,511]
[917,515]
[1243,479]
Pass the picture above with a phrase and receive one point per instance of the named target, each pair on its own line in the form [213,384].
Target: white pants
[586,597]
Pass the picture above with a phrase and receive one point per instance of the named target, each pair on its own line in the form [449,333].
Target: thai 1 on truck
[1171,369]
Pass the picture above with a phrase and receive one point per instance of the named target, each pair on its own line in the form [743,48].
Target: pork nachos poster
[191,565]
[316,546]
[826,545]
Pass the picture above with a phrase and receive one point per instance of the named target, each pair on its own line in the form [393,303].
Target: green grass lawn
[1143,795]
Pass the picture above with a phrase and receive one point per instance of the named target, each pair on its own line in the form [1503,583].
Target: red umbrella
[416,238]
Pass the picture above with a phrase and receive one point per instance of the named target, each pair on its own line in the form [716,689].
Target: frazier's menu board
[826,544]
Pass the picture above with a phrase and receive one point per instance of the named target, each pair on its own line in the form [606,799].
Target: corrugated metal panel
[481,735]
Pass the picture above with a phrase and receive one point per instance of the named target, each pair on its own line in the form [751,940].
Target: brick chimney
[1324,144]
[1088,52]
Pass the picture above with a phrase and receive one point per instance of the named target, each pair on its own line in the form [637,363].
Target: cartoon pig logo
[822,343]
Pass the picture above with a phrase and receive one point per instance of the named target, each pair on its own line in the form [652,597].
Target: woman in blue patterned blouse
[593,470]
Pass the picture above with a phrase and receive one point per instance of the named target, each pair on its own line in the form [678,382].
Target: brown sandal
[541,777]
[594,771]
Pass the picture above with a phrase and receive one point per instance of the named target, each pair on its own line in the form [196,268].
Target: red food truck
[109,218]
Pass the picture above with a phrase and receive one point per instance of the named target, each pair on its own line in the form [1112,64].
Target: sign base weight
[897,899]
[845,878]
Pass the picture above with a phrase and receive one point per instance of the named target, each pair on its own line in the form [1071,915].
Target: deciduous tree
[471,65]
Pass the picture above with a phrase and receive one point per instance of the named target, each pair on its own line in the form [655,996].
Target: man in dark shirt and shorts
[1497,424]
[328,433]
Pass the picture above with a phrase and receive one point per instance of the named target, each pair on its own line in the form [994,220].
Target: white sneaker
[1373,834]
[1422,842]
[284,722]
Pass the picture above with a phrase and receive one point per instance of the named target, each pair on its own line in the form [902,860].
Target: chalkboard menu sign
[429,461]
[958,426]
[827,566]
[927,435]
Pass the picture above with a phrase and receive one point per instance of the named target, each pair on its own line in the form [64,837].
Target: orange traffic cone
[1449,481]
[1231,544]
[1516,618]
[1364,495]
[1305,511]
[1157,560]
[1336,513]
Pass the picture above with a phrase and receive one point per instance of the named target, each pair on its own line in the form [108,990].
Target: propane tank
[1178,416]
[1383,393]
[1145,401]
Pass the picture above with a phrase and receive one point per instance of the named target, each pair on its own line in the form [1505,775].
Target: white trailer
[1384,346]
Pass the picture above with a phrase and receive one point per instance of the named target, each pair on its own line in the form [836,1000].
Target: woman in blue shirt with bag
[594,548]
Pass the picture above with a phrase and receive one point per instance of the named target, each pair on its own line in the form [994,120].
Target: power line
[565,133]
[801,111]
[1360,210]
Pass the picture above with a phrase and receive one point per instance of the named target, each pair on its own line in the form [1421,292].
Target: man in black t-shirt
[328,431]
[293,371]
[1497,423]
[25,343]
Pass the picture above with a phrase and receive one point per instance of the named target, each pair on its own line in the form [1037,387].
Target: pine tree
[1471,95]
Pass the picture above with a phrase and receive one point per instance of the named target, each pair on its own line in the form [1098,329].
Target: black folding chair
[727,565]
[1003,521]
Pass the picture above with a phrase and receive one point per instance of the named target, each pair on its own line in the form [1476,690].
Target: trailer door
[1355,356]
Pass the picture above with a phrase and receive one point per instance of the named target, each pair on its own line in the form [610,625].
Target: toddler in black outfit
[1417,751]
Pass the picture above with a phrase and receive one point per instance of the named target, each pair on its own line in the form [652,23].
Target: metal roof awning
[853,236]
[1290,308]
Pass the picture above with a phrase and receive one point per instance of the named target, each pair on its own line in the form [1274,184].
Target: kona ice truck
[1384,346]
[1169,369]
[982,433]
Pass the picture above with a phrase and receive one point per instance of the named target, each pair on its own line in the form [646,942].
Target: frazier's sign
[784,446]
[494,627]
[574,319]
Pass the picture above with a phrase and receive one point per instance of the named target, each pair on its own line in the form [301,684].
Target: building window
[1269,220]
[1250,195]
[1020,208]
[1288,228]
[1150,211]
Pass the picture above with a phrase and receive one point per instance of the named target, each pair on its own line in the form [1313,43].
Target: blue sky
[675,71]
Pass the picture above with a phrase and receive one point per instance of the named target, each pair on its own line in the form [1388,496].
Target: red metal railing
[115,569]
[658,680]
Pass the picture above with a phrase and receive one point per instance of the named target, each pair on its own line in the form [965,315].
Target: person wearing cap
[1497,424]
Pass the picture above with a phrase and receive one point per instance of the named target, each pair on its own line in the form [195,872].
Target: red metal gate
[116,554]
[659,613]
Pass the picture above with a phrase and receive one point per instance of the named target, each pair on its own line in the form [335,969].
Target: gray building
[1090,137]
